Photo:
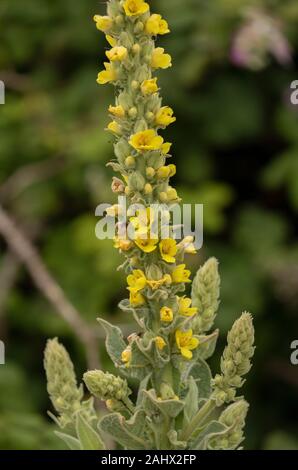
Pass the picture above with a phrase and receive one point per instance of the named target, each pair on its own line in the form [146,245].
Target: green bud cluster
[235,362]
[62,387]
[106,386]
[205,295]
[234,419]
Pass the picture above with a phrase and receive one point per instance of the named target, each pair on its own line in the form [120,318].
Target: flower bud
[148,189]
[130,162]
[106,386]
[163,197]
[136,181]
[205,295]
[135,85]
[133,112]
[150,172]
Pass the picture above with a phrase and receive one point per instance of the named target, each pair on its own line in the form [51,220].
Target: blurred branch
[28,175]
[8,273]
[15,81]
[27,254]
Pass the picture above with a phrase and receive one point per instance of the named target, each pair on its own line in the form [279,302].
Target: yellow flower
[163,172]
[113,211]
[166,147]
[103,23]
[114,127]
[135,7]
[172,194]
[146,140]
[123,245]
[160,343]
[185,308]
[160,59]
[165,117]
[168,250]
[180,274]
[117,53]
[187,245]
[156,25]
[166,315]
[172,169]
[146,244]
[142,221]
[149,87]
[186,343]
[136,299]
[137,280]
[112,41]
[155,284]
[108,75]
[117,111]
[126,356]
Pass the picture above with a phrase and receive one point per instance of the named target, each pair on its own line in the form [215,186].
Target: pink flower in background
[259,36]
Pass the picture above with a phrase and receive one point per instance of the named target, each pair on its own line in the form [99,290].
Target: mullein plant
[179,404]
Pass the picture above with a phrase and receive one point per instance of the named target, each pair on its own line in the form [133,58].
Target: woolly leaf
[130,434]
[70,441]
[89,439]
[115,343]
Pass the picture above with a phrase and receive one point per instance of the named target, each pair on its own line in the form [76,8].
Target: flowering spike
[167,354]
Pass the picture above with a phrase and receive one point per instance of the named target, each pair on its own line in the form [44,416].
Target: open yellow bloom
[123,245]
[117,53]
[166,147]
[108,75]
[135,7]
[146,140]
[146,244]
[112,41]
[155,284]
[185,308]
[187,245]
[142,222]
[186,343]
[166,315]
[164,116]
[180,274]
[156,25]
[114,127]
[126,356]
[103,23]
[136,299]
[117,111]
[137,280]
[160,343]
[160,60]
[148,87]
[168,250]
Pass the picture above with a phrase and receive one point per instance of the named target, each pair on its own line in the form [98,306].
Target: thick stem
[198,419]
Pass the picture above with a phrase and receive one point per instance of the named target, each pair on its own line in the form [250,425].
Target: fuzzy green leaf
[191,401]
[115,343]
[70,441]
[88,438]
[201,440]
[130,434]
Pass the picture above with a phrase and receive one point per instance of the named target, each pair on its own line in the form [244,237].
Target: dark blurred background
[236,150]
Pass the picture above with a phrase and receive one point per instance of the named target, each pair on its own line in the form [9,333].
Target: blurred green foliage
[236,149]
